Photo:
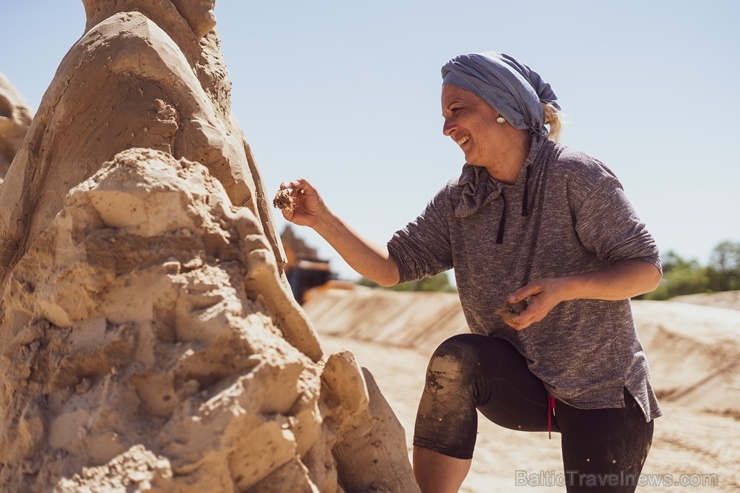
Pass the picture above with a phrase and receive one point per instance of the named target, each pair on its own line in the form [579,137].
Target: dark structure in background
[304,269]
[306,275]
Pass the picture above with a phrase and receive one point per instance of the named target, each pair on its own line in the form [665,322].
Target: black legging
[603,449]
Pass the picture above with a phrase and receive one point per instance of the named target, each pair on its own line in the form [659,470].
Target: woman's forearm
[625,279]
[369,259]
[620,281]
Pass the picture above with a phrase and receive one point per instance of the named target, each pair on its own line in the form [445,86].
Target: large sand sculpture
[148,340]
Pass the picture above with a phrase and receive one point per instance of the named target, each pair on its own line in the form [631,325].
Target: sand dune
[693,352]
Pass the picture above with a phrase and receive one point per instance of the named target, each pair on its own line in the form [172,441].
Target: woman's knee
[469,351]
[453,361]
[460,346]
[450,373]
[447,421]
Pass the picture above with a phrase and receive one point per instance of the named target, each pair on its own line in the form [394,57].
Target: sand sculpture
[15,117]
[148,340]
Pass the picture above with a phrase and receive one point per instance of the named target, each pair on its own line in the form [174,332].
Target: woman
[528,222]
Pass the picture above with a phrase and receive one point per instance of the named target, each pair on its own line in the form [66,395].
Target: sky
[347,95]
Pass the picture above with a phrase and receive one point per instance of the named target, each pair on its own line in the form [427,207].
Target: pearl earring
[500,120]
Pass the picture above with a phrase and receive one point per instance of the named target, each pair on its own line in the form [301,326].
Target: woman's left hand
[619,281]
[543,294]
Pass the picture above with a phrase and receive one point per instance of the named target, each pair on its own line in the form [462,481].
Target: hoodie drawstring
[550,414]
[525,208]
[502,221]
[525,195]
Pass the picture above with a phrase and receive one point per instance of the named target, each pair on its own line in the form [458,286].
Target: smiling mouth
[462,141]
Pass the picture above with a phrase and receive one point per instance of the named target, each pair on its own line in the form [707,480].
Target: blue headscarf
[508,86]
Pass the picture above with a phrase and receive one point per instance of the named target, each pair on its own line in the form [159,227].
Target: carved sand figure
[148,341]
[138,77]
[15,118]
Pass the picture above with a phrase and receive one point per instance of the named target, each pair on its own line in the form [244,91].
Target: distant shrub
[681,277]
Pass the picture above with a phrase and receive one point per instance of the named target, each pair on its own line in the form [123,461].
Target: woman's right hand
[307,206]
[367,258]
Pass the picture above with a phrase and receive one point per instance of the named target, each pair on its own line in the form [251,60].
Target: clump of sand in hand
[511,310]
[285,200]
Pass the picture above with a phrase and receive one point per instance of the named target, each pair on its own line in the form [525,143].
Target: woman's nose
[447,127]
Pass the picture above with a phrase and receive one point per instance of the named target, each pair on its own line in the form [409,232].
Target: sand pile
[726,299]
[15,117]
[148,339]
[694,353]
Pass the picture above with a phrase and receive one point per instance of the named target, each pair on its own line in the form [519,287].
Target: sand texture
[15,118]
[148,338]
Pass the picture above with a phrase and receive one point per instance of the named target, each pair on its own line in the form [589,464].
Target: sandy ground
[693,450]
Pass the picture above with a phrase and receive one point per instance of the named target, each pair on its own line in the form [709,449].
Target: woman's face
[471,123]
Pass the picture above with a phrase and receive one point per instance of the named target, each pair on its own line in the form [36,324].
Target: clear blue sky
[346,94]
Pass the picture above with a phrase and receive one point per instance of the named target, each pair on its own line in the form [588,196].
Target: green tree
[680,276]
[724,267]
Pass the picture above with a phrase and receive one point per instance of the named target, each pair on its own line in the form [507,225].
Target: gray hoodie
[566,214]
